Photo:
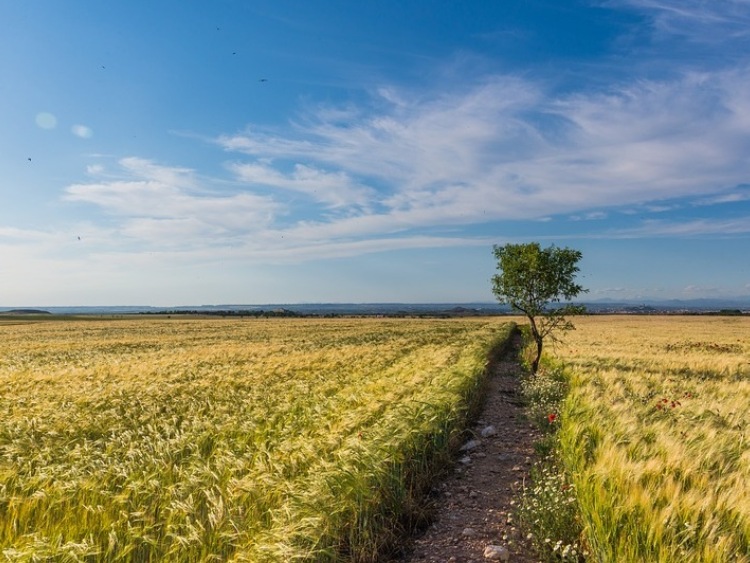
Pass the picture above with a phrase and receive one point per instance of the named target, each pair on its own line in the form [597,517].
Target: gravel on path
[473,505]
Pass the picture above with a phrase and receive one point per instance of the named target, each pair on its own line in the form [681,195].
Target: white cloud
[82,131]
[299,250]
[740,193]
[427,141]
[505,149]
[660,208]
[415,166]
[591,216]
[13,234]
[172,212]
[335,189]
[403,171]
[706,22]
[167,206]
[692,228]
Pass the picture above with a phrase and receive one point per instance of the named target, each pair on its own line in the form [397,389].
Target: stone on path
[470,445]
[488,431]
[496,553]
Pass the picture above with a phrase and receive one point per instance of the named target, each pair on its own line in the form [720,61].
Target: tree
[530,279]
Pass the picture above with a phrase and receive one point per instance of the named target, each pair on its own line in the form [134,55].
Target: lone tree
[530,279]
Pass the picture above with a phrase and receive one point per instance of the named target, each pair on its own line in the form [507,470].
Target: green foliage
[530,279]
[544,395]
[548,509]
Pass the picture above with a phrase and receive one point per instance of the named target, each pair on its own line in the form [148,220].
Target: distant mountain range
[451,309]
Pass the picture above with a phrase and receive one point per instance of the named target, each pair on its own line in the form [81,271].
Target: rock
[466,460]
[496,553]
[469,532]
[470,445]
[488,431]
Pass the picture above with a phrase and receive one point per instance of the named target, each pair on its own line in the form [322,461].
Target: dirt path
[473,503]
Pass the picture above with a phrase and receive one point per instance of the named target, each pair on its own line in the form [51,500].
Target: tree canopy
[532,278]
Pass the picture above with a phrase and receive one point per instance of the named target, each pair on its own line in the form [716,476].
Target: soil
[472,506]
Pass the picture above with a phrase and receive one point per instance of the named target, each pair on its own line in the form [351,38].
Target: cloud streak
[166,206]
[700,21]
[333,189]
[416,167]
[505,149]
[412,166]
[691,228]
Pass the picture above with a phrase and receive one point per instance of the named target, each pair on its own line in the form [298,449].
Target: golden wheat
[242,440]
[655,434]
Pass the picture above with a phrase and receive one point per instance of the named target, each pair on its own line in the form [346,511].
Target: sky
[286,151]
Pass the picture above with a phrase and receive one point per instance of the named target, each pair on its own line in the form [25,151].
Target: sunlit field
[656,434]
[226,440]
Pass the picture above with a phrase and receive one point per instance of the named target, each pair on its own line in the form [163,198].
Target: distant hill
[25,312]
[645,306]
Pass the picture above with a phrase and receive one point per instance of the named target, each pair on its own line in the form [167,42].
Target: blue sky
[170,153]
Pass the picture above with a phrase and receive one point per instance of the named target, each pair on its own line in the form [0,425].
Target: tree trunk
[539,342]
[535,363]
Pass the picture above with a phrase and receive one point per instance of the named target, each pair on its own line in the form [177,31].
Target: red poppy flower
[552,417]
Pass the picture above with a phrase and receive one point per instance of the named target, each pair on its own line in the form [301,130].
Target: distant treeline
[228,313]
[287,313]
[444,314]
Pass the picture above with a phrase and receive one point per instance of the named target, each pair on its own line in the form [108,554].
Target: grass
[654,436]
[228,440]
[547,507]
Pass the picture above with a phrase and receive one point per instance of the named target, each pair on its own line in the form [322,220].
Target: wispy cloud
[404,169]
[164,205]
[301,250]
[22,235]
[334,189]
[168,209]
[506,149]
[591,216]
[697,19]
[688,228]
[736,195]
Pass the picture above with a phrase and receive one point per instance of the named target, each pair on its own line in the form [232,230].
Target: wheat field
[656,436]
[227,439]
